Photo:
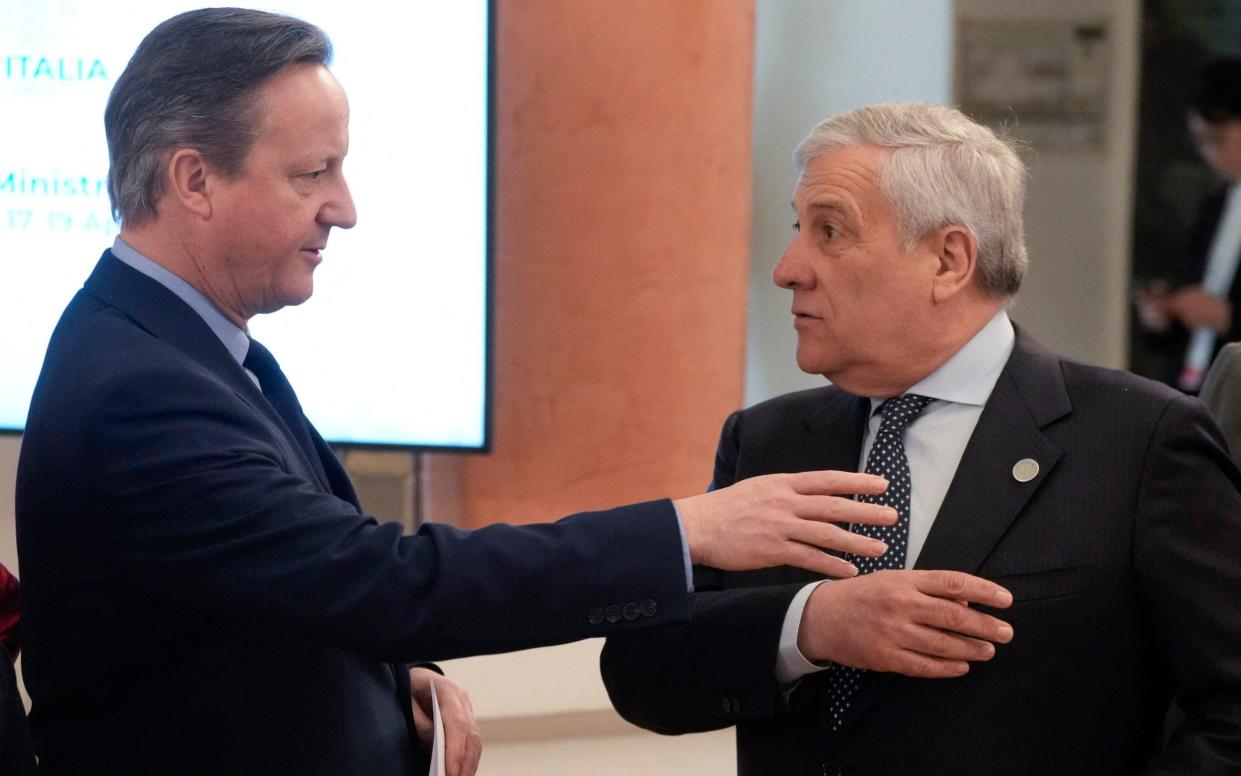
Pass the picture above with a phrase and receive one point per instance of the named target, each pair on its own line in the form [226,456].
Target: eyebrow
[836,206]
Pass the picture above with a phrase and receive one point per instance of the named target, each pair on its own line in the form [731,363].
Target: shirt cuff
[689,568]
[791,664]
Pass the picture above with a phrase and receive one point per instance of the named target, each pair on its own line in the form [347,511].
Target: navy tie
[280,395]
[887,459]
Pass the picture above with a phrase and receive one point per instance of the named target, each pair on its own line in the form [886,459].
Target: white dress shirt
[934,443]
[1216,279]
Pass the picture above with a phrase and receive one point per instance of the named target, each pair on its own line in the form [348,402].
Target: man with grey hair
[1104,502]
[203,593]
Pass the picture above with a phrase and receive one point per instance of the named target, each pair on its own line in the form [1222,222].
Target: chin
[813,363]
[298,291]
[294,301]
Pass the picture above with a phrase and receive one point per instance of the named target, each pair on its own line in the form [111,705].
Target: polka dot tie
[887,459]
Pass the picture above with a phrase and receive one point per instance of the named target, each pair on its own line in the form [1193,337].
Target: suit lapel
[834,433]
[985,496]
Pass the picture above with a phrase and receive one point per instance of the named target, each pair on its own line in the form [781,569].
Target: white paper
[437,745]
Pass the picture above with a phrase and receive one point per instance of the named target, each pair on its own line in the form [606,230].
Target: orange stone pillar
[622,239]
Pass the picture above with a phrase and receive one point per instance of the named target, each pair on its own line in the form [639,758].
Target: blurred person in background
[1190,319]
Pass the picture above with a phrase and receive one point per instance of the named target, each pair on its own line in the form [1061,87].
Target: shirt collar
[970,375]
[235,340]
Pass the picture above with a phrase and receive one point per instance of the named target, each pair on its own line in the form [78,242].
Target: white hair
[943,168]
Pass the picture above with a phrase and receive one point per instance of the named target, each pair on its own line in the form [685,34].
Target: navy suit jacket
[201,598]
[1123,556]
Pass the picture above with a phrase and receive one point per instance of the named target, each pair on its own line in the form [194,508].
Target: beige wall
[814,58]
[1078,210]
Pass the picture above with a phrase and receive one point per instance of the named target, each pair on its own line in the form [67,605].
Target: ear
[957,253]
[188,175]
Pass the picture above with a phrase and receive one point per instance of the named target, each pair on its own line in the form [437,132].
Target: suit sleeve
[202,514]
[717,669]
[1186,553]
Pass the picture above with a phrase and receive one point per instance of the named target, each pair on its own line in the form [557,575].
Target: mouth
[801,320]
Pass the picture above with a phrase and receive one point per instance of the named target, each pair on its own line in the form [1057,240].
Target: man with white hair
[1104,502]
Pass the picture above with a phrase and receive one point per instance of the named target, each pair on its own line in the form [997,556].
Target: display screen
[393,347]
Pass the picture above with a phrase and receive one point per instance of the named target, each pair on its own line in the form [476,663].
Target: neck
[941,339]
[171,249]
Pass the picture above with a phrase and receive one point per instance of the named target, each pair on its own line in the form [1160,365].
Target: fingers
[959,586]
[832,483]
[462,751]
[952,617]
[462,741]
[828,536]
[424,726]
[813,559]
[420,680]
[837,509]
[928,653]
[473,748]
[947,607]
[463,744]
[947,647]
[922,666]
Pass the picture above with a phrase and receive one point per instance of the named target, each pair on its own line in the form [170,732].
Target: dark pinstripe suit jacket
[1123,555]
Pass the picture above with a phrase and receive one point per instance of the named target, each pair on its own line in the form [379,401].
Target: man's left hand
[463,744]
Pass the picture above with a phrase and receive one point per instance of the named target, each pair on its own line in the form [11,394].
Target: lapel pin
[1025,470]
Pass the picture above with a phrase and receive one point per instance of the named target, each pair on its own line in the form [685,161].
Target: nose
[790,272]
[339,210]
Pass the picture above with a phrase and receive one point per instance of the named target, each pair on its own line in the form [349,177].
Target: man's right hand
[912,622]
[784,519]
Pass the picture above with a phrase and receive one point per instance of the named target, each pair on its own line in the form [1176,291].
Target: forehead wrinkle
[848,185]
[842,207]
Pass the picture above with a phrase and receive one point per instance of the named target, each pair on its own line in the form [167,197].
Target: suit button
[613,613]
[648,607]
[631,611]
[595,616]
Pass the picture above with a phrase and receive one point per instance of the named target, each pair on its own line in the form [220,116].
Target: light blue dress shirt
[235,340]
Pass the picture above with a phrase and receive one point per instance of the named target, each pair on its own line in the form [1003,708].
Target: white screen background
[391,349]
